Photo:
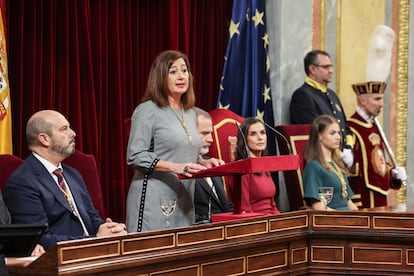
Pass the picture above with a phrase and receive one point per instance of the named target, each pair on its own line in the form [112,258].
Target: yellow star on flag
[258,18]
[223,107]
[267,63]
[260,114]
[266,94]
[234,28]
[221,84]
[266,40]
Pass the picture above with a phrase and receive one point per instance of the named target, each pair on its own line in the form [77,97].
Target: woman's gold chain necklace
[341,177]
[187,132]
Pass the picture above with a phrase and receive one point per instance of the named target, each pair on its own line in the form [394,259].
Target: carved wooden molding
[301,243]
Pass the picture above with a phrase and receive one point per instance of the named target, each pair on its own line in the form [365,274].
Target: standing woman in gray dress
[164,142]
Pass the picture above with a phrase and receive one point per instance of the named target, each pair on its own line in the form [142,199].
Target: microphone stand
[280,135]
[209,209]
[246,147]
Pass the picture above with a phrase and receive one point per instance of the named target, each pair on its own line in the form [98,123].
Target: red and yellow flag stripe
[6,145]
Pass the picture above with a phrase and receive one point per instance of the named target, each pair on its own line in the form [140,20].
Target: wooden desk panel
[369,242]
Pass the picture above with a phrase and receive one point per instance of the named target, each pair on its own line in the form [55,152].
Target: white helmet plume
[379,54]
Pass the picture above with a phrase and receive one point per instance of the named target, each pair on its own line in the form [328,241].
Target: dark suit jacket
[204,194]
[32,196]
[4,213]
[308,102]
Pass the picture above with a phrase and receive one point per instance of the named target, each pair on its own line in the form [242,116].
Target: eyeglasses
[324,66]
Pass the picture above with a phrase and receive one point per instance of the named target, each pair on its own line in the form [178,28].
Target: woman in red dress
[258,189]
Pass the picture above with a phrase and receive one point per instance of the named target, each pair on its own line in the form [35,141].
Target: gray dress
[157,134]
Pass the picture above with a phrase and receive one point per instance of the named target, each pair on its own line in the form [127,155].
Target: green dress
[315,175]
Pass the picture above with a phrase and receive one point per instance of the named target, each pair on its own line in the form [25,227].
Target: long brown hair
[157,86]
[242,138]
[244,128]
[313,150]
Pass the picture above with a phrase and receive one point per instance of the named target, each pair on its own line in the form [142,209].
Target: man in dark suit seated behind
[43,190]
[210,197]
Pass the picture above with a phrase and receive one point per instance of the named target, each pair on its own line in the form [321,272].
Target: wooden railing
[305,242]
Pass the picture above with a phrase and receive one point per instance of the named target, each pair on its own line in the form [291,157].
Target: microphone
[209,209]
[281,135]
[246,148]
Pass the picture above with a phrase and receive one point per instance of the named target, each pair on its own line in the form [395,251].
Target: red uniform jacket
[371,174]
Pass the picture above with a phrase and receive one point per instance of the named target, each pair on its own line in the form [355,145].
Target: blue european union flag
[245,87]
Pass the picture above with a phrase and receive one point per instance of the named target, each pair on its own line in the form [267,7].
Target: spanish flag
[6,145]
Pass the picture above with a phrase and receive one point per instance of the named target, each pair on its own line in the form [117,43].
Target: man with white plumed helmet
[375,171]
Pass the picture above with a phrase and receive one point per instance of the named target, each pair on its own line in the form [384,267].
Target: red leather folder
[249,165]
[252,165]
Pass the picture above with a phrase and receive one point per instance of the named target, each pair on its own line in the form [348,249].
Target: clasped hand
[111,228]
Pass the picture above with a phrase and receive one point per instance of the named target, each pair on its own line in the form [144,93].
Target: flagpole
[387,146]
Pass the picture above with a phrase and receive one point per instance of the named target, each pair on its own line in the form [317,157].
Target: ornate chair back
[298,136]
[8,163]
[224,126]
[86,165]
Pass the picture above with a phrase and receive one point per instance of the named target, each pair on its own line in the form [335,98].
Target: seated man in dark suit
[210,197]
[5,219]
[43,190]
[4,213]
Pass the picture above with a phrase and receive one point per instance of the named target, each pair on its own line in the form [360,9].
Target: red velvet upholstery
[86,165]
[297,136]
[223,127]
[8,163]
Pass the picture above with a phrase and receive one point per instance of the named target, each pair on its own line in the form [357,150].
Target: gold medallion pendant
[184,125]
[337,171]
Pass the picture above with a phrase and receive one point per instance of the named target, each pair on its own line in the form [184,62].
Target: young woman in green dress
[324,166]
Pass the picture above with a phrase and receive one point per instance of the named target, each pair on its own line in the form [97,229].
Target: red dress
[258,194]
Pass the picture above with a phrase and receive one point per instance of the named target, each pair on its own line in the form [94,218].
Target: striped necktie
[64,188]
